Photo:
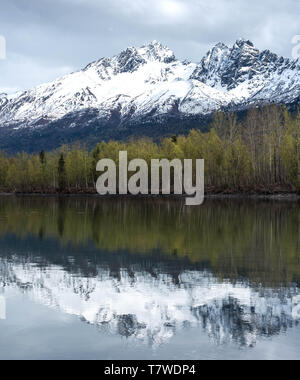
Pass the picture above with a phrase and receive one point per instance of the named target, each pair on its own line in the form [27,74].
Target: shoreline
[208,196]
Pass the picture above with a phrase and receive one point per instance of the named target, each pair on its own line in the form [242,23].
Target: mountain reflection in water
[146,269]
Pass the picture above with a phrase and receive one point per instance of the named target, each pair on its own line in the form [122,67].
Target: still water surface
[85,278]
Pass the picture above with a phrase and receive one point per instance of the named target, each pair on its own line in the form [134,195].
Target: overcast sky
[48,38]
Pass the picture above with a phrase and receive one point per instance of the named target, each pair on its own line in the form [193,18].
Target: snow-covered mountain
[116,97]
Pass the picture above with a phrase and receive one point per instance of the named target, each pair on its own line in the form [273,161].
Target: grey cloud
[46,38]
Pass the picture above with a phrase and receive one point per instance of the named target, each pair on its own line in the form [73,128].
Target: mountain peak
[154,43]
[155,87]
[132,58]
[221,46]
[228,67]
[243,42]
[155,51]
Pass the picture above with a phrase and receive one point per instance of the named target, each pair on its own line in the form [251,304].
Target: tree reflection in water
[146,269]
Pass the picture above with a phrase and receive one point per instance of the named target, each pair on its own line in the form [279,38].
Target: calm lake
[90,278]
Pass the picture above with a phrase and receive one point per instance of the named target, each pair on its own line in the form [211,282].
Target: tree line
[259,153]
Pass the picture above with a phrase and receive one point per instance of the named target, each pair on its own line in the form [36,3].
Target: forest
[259,153]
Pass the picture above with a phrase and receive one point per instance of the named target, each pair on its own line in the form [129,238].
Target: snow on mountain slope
[137,81]
[150,79]
[250,75]
[150,83]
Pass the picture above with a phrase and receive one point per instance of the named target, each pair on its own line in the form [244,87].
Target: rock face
[145,91]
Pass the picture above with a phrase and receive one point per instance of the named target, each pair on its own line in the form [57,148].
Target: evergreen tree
[42,157]
[62,177]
